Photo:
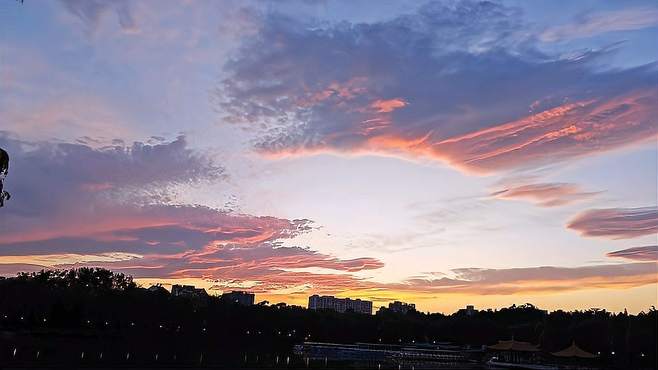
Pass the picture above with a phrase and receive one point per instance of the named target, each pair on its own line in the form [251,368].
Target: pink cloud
[647,253]
[77,205]
[266,270]
[616,223]
[570,130]
[545,194]
[546,279]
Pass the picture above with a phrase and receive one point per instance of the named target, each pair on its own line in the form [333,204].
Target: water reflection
[296,361]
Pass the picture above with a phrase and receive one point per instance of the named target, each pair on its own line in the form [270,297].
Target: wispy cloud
[616,223]
[597,23]
[55,260]
[480,281]
[647,253]
[545,194]
[539,279]
[92,11]
[483,281]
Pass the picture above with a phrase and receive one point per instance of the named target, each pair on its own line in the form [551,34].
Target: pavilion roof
[574,351]
[513,345]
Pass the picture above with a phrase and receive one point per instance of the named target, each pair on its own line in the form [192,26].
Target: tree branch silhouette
[4,170]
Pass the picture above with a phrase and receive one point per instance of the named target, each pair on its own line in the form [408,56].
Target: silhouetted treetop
[84,277]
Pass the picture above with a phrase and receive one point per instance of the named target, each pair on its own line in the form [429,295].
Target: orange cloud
[336,91]
[488,282]
[566,131]
[559,133]
[387,106]
[271,271]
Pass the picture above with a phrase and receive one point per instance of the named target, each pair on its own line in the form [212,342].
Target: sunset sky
[440,153]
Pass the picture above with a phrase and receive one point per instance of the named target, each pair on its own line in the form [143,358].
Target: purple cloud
[647,253]
[461,84]
[616,223]
[66,189]
[80,205]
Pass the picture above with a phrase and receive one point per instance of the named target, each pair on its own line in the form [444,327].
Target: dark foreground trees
[92,312]
[4,169]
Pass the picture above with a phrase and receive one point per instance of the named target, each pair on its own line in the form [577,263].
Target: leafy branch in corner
[4,169]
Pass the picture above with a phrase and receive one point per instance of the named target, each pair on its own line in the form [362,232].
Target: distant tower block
[316,302]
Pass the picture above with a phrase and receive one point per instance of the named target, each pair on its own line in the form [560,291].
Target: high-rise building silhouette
[316,302]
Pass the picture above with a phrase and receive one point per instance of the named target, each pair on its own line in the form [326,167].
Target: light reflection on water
[300,362]
[251,360]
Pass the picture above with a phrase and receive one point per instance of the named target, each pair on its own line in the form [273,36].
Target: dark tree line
[95,310]
[4,169]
